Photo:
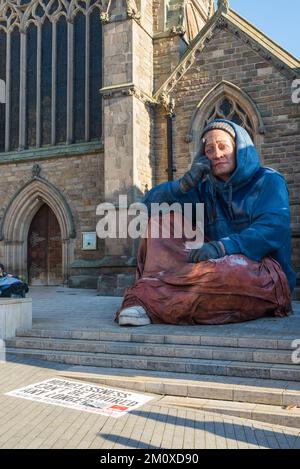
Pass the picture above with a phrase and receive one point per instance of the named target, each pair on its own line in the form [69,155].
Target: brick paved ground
[28,424]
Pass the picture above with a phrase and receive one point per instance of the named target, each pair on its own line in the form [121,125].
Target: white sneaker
[134,316]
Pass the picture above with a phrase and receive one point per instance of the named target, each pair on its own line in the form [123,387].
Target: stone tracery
[20,13]
[33,34]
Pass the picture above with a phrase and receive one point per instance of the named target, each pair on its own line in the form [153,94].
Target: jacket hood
[247,159]
[247,164]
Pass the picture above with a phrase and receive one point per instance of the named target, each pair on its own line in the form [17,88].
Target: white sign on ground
[82,396]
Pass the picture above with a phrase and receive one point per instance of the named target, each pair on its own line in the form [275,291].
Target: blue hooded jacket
[249,213]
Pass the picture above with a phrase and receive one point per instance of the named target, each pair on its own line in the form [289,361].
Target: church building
[106,98]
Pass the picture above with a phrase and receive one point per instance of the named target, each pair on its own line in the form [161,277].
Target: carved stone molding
[177,30]
[224,5]
[208,37]
[36,171]
[132,10]
[104,17]
[127,89]
[168,103]
[222,23]
[211,8]
[13,14]
[37,190]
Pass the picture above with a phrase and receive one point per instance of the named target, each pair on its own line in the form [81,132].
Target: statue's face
[220,150]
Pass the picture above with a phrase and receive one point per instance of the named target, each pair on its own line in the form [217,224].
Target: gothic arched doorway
[44,260]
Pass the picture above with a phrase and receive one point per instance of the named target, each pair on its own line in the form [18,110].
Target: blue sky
[278,19]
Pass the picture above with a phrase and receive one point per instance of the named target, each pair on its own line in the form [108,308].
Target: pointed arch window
[51,64]
[227,108]
[226,101]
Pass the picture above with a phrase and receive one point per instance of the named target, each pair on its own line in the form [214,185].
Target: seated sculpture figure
[243,270]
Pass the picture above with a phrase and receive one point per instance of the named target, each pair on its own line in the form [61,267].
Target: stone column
[127,96]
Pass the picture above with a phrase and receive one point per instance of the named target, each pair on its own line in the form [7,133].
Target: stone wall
[142,114]
[117,53]
[167,53]
[79,179]
[142,63]
[146,20]
[128,87]
[160,147]
[142,144]
[127,119]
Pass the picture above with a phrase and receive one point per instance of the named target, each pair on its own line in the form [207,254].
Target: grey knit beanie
[220,126]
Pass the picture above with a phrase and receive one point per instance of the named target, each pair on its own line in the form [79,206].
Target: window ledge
[57,151]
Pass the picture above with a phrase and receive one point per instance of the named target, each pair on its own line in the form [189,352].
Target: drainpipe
[170,118]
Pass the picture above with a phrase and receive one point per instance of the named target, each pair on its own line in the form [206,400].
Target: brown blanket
[227,290]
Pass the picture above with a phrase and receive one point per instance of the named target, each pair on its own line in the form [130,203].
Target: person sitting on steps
[243,270]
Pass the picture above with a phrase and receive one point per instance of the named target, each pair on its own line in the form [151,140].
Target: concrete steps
[167,364]
[245,354]
[227,388]
[268,401]
[248,357]
[263,413]
[134,335]
[246,376]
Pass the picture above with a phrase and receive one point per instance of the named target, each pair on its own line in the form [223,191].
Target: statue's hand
[200,168]
[212,250]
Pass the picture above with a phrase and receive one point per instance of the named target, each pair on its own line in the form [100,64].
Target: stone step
[154,350]
[166,364]
[263,413]
[226,388]
[194,338]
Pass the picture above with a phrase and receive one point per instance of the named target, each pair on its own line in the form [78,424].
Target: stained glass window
[61,81]
[227,108]
[53,73]
[15,90]
[46,83]
[2,90]
[79,78]
[95,77]
[31,86]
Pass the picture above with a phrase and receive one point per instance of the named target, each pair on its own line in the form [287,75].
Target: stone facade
[73,183]
[155,53]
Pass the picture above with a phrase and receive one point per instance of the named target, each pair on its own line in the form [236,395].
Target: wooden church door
[44,249]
